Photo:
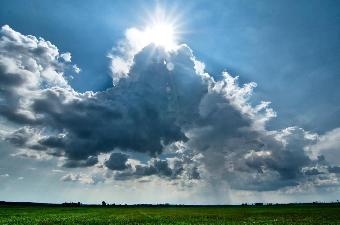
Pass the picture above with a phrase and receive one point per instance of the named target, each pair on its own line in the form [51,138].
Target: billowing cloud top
[164,116]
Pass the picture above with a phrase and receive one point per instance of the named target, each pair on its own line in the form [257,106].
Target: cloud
[76,69]
[66,56]
[163,105]
[117,161]
[312,172]
[122,55]
[90,161]
[27,65]
[4,175]
[157,167]
[19,137]
[334,169]
[328,146]
[81,178]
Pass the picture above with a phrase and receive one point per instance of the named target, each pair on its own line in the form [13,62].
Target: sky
[199,102]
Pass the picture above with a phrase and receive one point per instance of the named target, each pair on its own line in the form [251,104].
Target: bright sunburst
[161,34]
[162,29]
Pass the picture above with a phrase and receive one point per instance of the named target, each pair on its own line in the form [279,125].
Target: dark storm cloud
[334,169]
[19,137]
[105,121]
[220,135]
[193,174]
[82,125]
[156,167]
[313,172]
[90,161]
[92,123]
[117,161]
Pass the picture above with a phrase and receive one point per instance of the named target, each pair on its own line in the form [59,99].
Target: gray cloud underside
[191,126]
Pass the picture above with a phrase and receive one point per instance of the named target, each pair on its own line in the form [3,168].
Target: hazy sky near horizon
[128,101]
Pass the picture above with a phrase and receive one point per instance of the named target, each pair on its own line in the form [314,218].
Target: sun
[162,28]
[162,34]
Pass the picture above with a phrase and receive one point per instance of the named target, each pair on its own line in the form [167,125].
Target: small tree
[103,203]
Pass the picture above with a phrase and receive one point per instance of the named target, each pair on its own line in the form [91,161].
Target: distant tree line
[104,204]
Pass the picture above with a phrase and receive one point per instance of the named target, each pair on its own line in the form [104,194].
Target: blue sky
[290,49]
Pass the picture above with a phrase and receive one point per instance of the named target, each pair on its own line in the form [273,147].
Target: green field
[288,214]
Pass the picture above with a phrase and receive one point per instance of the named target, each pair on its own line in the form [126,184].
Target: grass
[286,214]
